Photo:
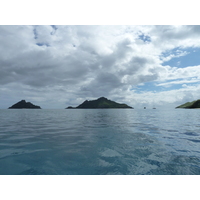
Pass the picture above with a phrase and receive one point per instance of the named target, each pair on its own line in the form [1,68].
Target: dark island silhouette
[101,102]
[190,105]
[24,105]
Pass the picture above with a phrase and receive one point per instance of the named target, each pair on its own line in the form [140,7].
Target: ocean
[100,142]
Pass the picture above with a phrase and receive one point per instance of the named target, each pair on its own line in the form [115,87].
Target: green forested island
[193,104]
[101,102]
[23,104]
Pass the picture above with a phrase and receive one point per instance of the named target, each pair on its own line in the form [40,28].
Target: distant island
[193,104]
[101,102]
[23,104]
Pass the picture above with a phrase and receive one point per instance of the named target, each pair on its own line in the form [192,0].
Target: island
[101,102]
[23,104]
[193,104]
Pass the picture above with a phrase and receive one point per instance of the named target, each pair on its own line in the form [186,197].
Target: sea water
[99,142]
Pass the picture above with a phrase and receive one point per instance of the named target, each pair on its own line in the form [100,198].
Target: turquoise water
[100,142]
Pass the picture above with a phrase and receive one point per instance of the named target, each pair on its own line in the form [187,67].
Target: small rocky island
[101,102]
[193,104]
[23,104]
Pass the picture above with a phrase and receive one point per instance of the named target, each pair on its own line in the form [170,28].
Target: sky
[60,66]
[56,66]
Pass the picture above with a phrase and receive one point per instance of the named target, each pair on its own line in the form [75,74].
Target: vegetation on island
[101,102]
[193,104]
[23,104]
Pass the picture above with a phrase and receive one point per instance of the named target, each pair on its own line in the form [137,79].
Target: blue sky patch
[42,44]
[152,87]
[55,28]
[192,58]
[147,87]
[144,38]
[155,87]
[35,33]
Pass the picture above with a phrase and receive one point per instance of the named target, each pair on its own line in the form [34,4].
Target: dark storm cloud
[85,61]
[135,65]
[109,75]
[44,66]
[29,65]
[147,78]
[102,84]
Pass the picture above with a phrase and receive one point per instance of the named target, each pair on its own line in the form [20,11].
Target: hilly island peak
[24,105]
[101,102]
[193,104]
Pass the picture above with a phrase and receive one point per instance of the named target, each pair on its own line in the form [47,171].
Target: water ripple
[99,141]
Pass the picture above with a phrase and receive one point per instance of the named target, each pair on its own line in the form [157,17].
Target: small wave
[110,153]
[191,133]
[196,141]
[33,171]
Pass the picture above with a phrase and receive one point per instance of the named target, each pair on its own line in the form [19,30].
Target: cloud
[68,64]
[170,83]
[168,37]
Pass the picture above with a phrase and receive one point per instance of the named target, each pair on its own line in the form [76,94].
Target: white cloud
[163,99]
[168,84]
[179,53]
[68,64]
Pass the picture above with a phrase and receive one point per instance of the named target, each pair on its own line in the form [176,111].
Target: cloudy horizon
[59,66]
